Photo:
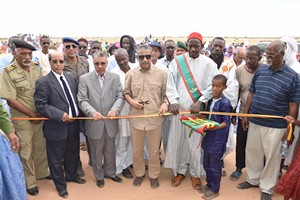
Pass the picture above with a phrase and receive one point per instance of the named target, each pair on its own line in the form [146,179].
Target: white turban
[290,53]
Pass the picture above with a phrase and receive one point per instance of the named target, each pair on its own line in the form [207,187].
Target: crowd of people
[113,99]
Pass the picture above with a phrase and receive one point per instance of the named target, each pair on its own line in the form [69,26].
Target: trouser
[263,143]
[213,167]
[103,149]
[153,138]
[241,140]
[32,152]
[63,157]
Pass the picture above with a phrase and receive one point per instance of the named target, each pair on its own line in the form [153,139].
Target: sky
[138,18]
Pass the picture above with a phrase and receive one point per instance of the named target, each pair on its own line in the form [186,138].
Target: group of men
[134,82]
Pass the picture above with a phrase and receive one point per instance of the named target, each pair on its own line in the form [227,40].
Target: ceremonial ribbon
[155,115]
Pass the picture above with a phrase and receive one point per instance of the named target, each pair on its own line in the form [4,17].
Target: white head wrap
[290,53]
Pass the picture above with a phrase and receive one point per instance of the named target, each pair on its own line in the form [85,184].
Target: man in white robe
[182,150]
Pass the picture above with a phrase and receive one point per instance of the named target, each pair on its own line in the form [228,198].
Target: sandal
[235,176]
[196,183]
[176,181]
[210,195]
[204,189]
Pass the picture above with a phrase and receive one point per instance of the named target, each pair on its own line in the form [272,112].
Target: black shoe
[48,177]
[100,183]
[154,183]
[245,185]
[63,193]
[33,191]
[126,173]
[115,179]
[138,180]
[265,196]
[78,180]
[80,172]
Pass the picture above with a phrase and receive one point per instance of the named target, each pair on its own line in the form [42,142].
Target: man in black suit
[55,98]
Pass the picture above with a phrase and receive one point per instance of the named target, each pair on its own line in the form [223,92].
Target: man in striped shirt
[275,90]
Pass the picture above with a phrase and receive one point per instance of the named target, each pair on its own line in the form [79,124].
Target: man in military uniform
[17,83]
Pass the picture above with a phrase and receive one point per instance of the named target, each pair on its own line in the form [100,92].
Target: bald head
[275,53]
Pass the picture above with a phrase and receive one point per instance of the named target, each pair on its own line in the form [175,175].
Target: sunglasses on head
[141,57]
[82,47]
[69,46]
[44,43]
[58,61]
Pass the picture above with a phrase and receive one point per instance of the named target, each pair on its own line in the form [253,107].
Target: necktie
[68,96]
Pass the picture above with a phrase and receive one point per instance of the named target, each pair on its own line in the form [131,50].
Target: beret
[68,39]
[83,40]
[155,44]
[181,45]
[195,35]
[22,44]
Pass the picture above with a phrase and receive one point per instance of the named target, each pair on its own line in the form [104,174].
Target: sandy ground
[126,191]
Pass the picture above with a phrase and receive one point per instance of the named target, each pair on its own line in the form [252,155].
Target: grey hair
[144,46]
[99,54]
[121,51]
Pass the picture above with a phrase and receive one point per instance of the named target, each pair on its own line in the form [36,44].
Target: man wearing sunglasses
[83,47]
[42,55]
[145,91]
[58,102]
[77,66]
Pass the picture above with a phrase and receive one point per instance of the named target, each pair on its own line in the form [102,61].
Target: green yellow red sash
[188,78]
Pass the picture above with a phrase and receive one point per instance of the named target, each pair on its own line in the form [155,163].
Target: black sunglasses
[58,61]
[141,57]
[69,46]
[96,48]
[44,43]
[82,47]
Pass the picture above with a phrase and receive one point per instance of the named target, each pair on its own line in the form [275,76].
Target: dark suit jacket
[51,102]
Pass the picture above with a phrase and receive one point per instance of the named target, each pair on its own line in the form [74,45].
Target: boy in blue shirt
[214,142]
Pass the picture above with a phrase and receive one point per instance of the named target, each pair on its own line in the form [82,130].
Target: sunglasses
[82,47]
[44,43]
[69,46]
[96,48]
[142,57]
[58,61]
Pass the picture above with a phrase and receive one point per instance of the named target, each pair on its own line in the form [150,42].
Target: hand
[289,119]
[138,105]
[97,116]
[111,114]
[245,123]
[14,140]
[195,107]
[35,115]
[163,108]
[233,120]
[174,109]
[65,117]
[212,128]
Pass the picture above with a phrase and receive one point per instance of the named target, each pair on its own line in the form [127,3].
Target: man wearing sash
[188,88]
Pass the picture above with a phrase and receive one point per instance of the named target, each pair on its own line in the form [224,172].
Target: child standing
[214,142]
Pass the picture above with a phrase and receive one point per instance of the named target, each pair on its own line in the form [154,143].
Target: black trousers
[241,141]
[63,157]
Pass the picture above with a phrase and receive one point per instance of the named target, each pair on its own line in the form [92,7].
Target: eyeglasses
[82,47]
[102,63]
[69,46]
[44,43]
[96,48]
[142,57]
[58,61]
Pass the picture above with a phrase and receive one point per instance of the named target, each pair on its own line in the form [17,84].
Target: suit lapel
[95,83]
[57,86]
[106,83]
